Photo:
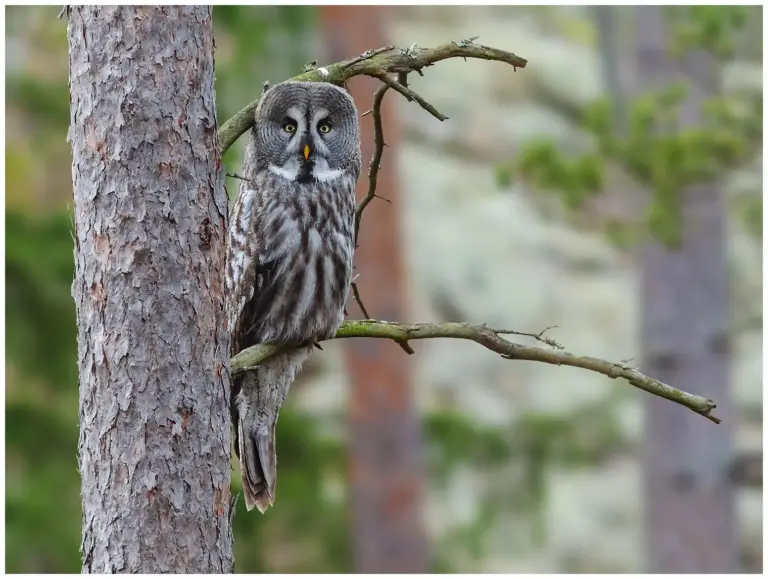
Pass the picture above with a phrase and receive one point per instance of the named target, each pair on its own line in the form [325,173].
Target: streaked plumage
[289,259]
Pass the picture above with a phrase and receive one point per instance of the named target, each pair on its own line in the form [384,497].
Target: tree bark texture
[689,499]
[150,219]
[386,456]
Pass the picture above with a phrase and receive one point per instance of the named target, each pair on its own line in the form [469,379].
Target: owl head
[307,131]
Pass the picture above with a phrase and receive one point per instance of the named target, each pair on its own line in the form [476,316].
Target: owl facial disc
[307,132]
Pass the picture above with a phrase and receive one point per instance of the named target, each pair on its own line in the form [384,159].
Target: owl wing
[254,278]
[255,306]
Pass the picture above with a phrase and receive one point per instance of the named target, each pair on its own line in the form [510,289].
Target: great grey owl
[289,255]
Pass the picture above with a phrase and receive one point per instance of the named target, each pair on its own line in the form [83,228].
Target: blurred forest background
[526,209]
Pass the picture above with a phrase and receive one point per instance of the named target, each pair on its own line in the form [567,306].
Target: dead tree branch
[493,340]
[373,168]
[380,64]
[411,96]
[382,61]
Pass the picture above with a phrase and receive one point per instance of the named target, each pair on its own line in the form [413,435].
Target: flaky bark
[690,519]
[150,217]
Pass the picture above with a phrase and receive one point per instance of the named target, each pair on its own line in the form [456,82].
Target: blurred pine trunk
[690,522]
[150,218]
[386,462]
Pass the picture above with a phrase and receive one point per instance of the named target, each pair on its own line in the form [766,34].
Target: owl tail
[256,408]
[258,464]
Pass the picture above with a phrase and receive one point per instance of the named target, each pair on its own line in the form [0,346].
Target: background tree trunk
[611,54]
[690,521]
[386,469]
[150,217]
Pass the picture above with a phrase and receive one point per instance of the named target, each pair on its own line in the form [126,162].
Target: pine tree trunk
[690,521]
[150,217]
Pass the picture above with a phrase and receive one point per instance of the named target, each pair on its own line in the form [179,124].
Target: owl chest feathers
[290,259]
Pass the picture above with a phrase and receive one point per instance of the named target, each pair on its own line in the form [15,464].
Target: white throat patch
[323,173]
[320,170]
[290,170]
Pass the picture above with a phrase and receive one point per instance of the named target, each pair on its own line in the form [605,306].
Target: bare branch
[373,172]
[367,55]
[492,340]
[411,96]
[358,299]
[373,168]
[379,62]
[236,176]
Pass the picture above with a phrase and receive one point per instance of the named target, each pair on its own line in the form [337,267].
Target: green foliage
[38,268]
[454,440]
[43,499]
[710,27]
[542,164]
[534,444]
[654,151]
[49,100]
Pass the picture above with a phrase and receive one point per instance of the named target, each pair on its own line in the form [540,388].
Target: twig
[411,96]
[356,293]
[492,340]
[373,167]
[538,337]
[373,173]
[368,54]
[236,176]
[382,62]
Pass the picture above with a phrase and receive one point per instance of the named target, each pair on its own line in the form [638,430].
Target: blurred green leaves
[38,268]
[42,498]
[654,152]
[711,27]
[541,163]
[49,100]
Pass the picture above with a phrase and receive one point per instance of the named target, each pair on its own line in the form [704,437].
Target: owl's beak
[306,152]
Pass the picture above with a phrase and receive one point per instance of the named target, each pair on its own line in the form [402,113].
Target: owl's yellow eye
[289,127]
[324,128]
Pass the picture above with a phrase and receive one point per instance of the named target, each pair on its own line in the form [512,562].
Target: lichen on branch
[381,63]
[492,339]
[378,62]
